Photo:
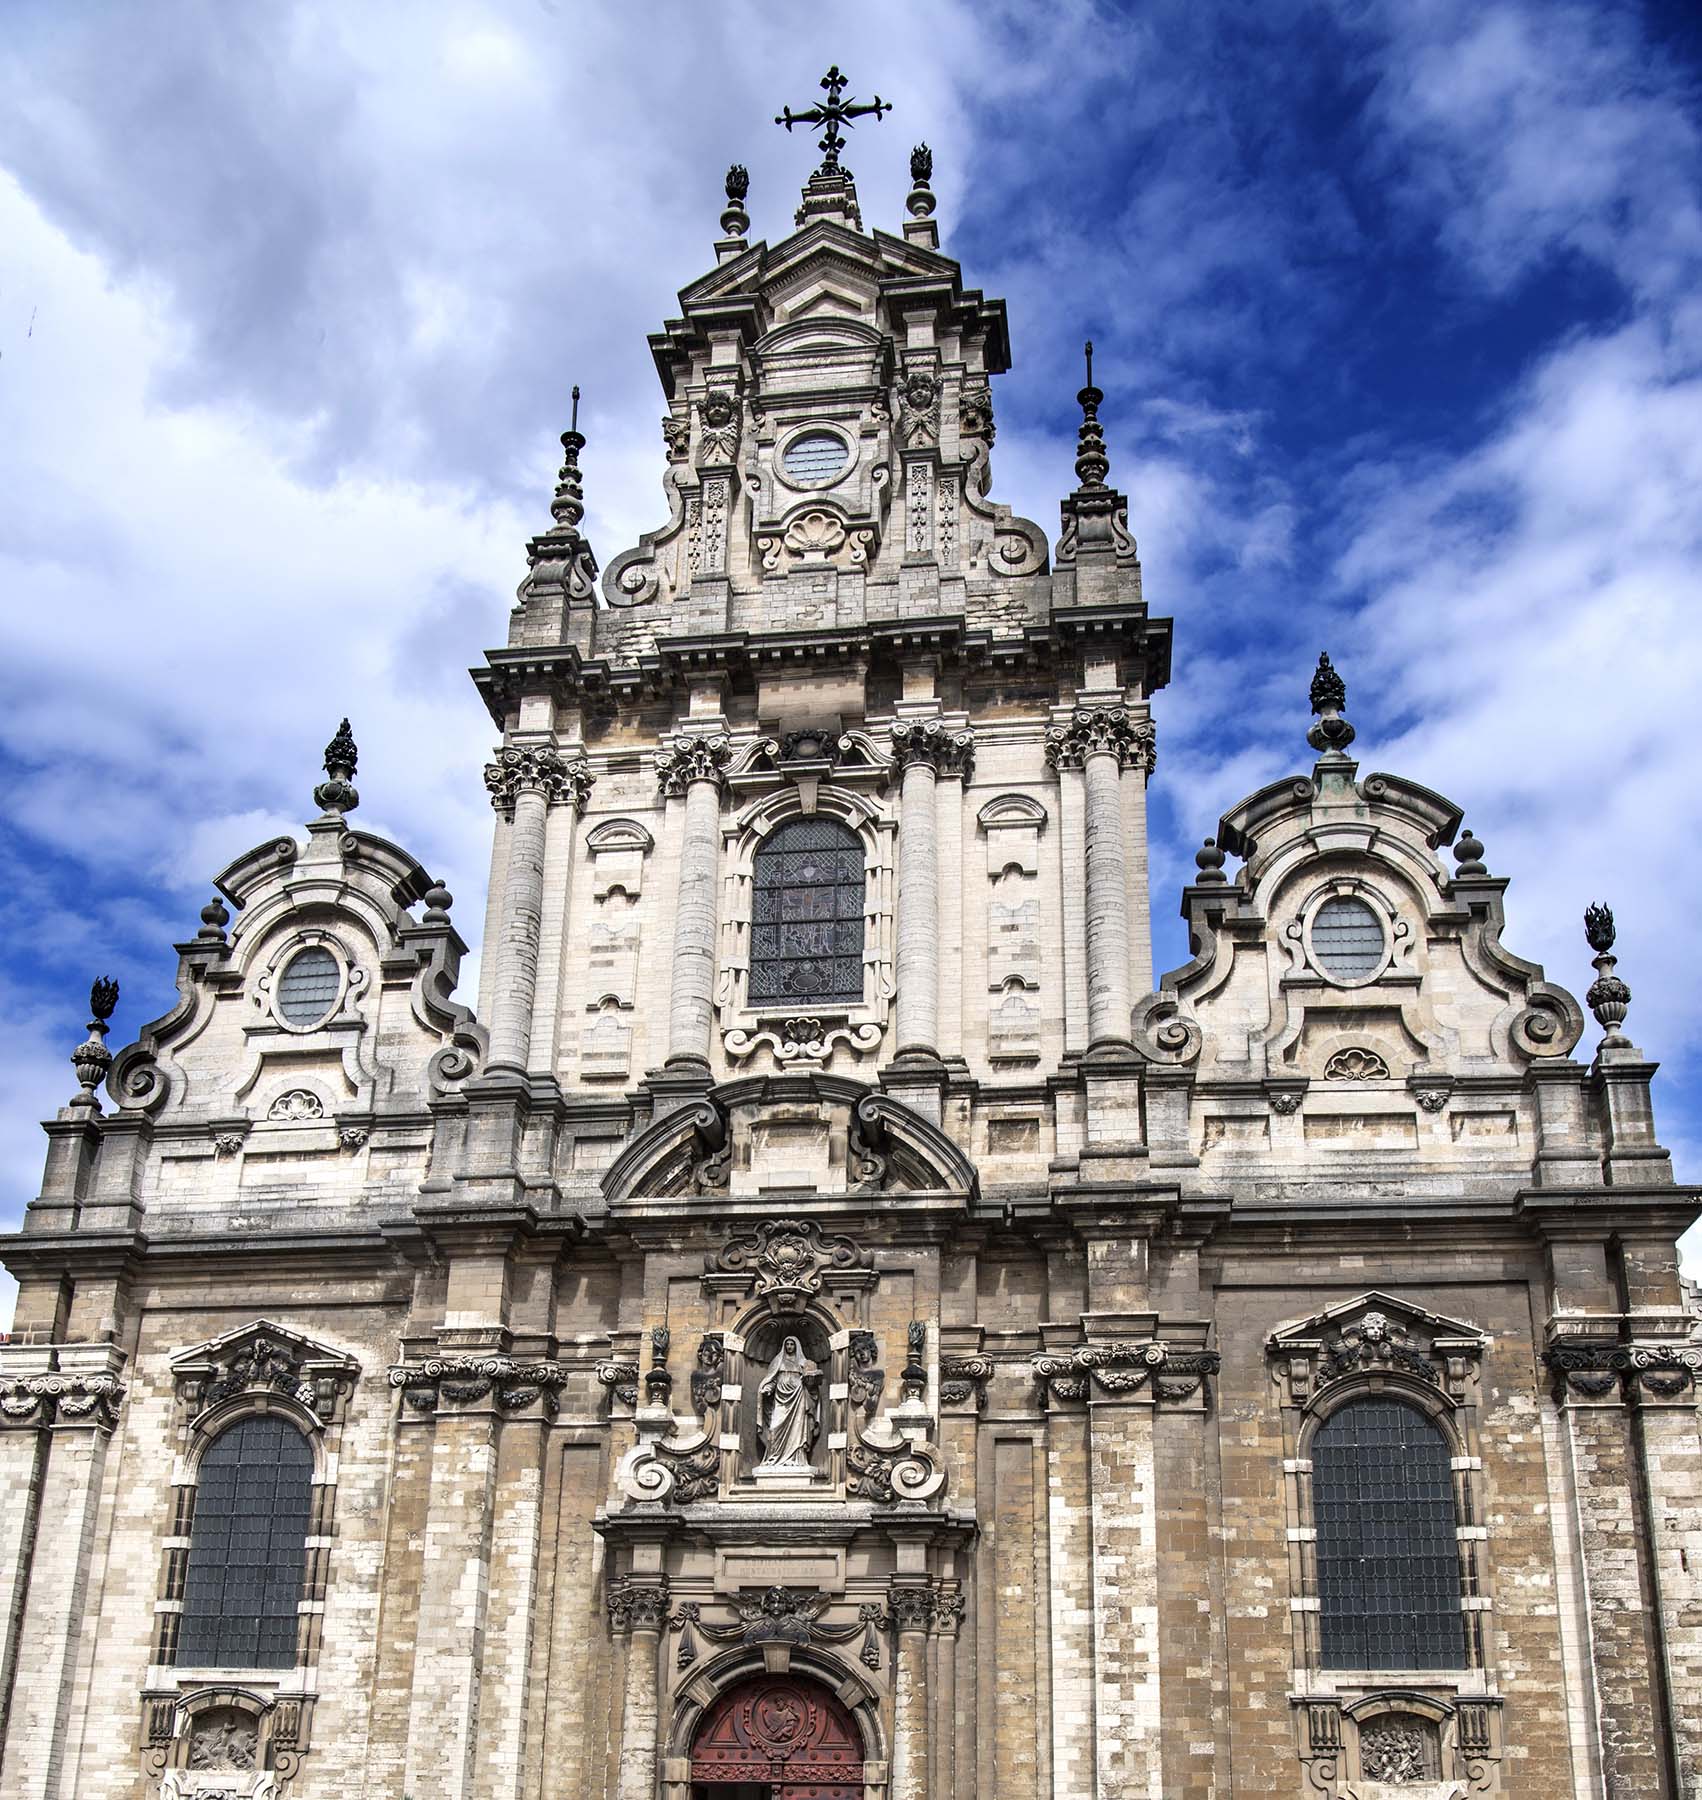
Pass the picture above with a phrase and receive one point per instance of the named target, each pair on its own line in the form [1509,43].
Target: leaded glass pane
[247,1549]
[307,989]
[807,914]
[815,456]
[1347,939]
[1388,1564]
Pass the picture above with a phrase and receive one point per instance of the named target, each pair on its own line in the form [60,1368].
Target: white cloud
[310,285]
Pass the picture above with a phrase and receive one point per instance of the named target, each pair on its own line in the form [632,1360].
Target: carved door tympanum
[779,1735]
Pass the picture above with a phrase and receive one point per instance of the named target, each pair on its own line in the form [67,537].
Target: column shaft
[454,1607]
[691,1010]
[638,1716]
[1108,1003]
[516,946]
[1671,1458]
[1127,1728]
[909,1715]
[39,1756]
[918,1002]
[1624,1640]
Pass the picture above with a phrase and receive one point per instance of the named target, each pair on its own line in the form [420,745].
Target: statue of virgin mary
[786,1416]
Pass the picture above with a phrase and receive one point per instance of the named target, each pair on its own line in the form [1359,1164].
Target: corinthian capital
[1103,731]
[535,770]
[692,759]
[638,1606]
[949,752]
[911,1606]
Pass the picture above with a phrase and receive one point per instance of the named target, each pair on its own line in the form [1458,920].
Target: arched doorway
[777,1737]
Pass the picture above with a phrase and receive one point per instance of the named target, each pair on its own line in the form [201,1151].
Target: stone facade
[899,1385]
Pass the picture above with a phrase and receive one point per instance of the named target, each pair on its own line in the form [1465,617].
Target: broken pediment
[791,1134]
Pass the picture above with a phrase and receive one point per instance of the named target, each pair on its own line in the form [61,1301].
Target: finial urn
[91,1059]
[1332,734]
[1609,998]
[735,221]
[337,793]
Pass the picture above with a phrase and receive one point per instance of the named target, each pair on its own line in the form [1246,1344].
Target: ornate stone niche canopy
[1378,1335]
[790,1134]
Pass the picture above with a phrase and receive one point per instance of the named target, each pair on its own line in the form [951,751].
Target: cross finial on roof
[835,113]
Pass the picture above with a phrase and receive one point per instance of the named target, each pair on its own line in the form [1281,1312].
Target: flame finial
[1332,734]
[337,792]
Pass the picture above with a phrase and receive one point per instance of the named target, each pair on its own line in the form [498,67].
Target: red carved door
[777,1730]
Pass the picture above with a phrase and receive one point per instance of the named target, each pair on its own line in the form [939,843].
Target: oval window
[815,457]
[307,989]
[1347,939]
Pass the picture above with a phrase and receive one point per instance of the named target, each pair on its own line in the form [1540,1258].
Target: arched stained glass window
[807,914]
[1388,1562]
[247,1548]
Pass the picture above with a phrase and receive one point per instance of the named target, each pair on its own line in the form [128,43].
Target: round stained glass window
[1348,942]
[814,458]
[307,989]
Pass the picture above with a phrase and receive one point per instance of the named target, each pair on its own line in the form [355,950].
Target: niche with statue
[783,1425]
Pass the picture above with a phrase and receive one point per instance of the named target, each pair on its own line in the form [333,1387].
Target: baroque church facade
[829,1325]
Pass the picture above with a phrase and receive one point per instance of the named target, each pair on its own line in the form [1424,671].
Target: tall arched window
[807,914]
[247,1548]
[1388,1561]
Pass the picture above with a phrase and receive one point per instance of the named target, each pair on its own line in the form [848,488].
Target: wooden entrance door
[781,1736]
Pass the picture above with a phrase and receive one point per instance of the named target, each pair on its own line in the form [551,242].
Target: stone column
[1662,1384]
[912,1608]
[694,768]
[947,1620]
[1102,741]
[454,1604]
[1623,1624]
[642,1610]
[924,751]
[1128,1717]
[1069,1577]
[77,1412]
[524,783]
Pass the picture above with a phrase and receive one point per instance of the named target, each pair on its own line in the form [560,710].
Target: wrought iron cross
[835,113]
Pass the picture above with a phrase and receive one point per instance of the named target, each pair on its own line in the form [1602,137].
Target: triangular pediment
[1328,1323]
[254,1361]
[242,1337]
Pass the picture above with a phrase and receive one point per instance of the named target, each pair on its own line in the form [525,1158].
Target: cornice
[564,671]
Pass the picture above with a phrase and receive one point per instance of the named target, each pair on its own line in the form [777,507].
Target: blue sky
[1396,306]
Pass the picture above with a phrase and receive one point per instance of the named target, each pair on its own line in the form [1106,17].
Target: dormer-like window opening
[308,987]
[807,914]
[814,458]
[1348,940]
